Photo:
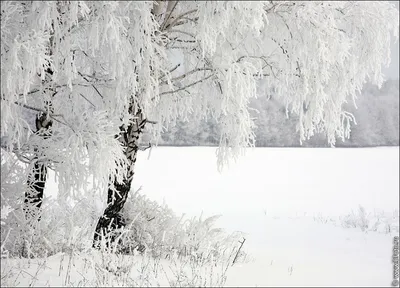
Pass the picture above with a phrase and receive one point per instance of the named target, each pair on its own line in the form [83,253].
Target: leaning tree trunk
[112,218]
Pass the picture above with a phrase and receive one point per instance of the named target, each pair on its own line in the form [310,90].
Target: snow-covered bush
[378,221]
[175,251]
[61,228]
[63,224]
[69,225]
[156,229]
[354,220]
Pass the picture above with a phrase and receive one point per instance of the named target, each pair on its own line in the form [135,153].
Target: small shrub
[378,221]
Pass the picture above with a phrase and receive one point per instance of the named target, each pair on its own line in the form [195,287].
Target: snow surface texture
[291,203]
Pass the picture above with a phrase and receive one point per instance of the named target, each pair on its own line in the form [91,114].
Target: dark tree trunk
[37,177]
[34,192]
[112,218]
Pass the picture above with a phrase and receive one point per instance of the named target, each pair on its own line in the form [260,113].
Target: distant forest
[377,117]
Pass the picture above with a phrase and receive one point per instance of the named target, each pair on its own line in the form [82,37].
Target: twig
[66,122]
[169,10]
[271,8]
[145,147]
[190,85]
[29,107]
[189,73]
[87,100]
[94,87]
[35,109]
[179,17]
[152,218]
[183,32]
[170,71]
[173,69]
[237,253]
[183,41]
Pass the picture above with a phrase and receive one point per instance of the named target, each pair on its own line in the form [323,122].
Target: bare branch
[170,9]
[170,71]
[91,84]
[144,149]
[180,17]
[65,123]
[173,69]
[87,100]
[189,73]
[187,86]
[34,108]
[181,47]
[182,32]
[272,7]
[52,116]
[237,253]
[151,121]
[184,21]
[183,40]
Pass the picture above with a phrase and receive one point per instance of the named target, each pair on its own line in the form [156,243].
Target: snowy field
[288,201]
[273,194]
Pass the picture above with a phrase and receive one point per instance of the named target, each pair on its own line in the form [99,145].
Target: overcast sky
[392,72]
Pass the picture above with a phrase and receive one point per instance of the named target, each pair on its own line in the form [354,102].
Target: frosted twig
[35,109]
[179,17]
[187,86]
[189,73]
[169,11]
[237,253]
[182,32]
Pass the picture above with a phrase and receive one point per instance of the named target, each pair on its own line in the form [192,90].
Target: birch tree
[96,74]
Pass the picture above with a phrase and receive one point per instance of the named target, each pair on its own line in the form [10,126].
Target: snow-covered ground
[273,194]
[281,198]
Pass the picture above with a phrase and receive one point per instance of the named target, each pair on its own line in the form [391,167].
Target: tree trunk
[37,177]
[34,192]
[112,218]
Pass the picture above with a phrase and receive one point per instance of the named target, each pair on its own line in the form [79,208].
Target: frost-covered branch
[187,86]
[35,109]
[170,8]
[182,16]
[113,59]
[188,74]
[182,32]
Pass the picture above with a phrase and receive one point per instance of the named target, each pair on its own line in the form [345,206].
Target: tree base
[108,227]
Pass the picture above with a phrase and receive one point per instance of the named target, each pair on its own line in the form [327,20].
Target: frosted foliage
[176,58]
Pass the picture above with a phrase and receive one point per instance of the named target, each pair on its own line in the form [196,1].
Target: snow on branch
[109,57]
